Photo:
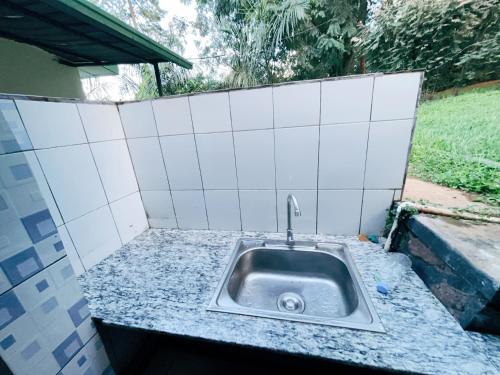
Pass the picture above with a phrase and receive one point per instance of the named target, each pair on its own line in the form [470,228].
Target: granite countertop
[164,280]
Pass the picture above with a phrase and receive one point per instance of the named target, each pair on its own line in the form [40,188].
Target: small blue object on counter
[382,287]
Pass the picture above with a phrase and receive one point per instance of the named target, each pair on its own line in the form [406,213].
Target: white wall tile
[130,217]
[375,206]
[73,257]
[137,119]
[398,194]
[159,209]
[115,168]
[223,209]
[101,122]
[216,154]
[73,178]
[181,160]
[190,209]
[43,187]
[297,157]
[210,112]
[388,146]
[306,222]
[51,124]
[255,159]
[94,236]
[395,96]
[339,211]
[346,100]
[296,104]
[258,210]
[342,155]
[252,109]
[172,116]
[148,163]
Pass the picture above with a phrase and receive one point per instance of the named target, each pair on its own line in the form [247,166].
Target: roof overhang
[80,33]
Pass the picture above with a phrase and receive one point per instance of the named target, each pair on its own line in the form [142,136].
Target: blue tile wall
[45,323]
[13,136]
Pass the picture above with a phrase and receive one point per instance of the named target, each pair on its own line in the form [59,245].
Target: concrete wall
[29,70]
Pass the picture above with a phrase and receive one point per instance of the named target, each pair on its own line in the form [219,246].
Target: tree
[265,41]
[145,16]
[457,42]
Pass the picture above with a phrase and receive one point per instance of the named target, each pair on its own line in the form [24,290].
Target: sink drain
[291,302]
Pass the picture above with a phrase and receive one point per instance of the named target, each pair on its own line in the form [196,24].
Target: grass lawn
[457,142]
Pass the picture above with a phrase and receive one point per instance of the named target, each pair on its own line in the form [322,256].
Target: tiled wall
[83,167]
[227,160]
[78,180]
[45,324]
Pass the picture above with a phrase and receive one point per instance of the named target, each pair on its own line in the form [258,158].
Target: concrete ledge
[460,263]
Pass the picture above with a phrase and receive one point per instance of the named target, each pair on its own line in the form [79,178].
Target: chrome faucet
[296,210]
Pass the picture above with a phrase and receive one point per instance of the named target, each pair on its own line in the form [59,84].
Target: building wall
[29,70]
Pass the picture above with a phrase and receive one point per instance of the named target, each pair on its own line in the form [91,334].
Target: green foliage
[267,41]
[175,81]
[457,42]
[456,142]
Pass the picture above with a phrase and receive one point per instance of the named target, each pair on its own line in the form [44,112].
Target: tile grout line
[319,150]
[200,133]
[102,184]
[12,287]
[50,188]
[60,214]
[274,162]
[199,165]
[100,179]
[366,158]
[164,166]
[235,164]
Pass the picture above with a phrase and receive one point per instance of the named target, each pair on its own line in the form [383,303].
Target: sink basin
[308,282]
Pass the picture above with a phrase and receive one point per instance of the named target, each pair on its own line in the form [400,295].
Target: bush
[456,42]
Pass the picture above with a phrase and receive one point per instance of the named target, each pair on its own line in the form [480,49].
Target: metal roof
[80,33]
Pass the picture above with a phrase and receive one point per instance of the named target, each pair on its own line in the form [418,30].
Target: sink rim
[343,322]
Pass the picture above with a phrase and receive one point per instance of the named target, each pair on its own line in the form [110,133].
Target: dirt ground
[426,192]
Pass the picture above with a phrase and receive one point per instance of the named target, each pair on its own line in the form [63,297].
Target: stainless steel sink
[307,282]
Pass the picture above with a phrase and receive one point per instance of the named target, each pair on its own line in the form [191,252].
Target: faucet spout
[291,200]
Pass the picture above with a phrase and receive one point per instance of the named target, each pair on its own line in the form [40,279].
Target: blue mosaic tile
[67,272]
[7,342]
[21,171]
[81,360]
[42,285]
[22,265]
[30,350]
[49,305]
[58,246]
[79,312]
[10,309]
[39,225]
[14,136]
[67,349]
[10,145]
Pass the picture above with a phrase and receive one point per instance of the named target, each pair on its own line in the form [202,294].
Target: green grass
[452,134]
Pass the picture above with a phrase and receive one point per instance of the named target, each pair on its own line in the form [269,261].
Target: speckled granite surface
[164,280]
[490,345]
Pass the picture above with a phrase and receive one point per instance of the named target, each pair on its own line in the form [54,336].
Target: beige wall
[25,69]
